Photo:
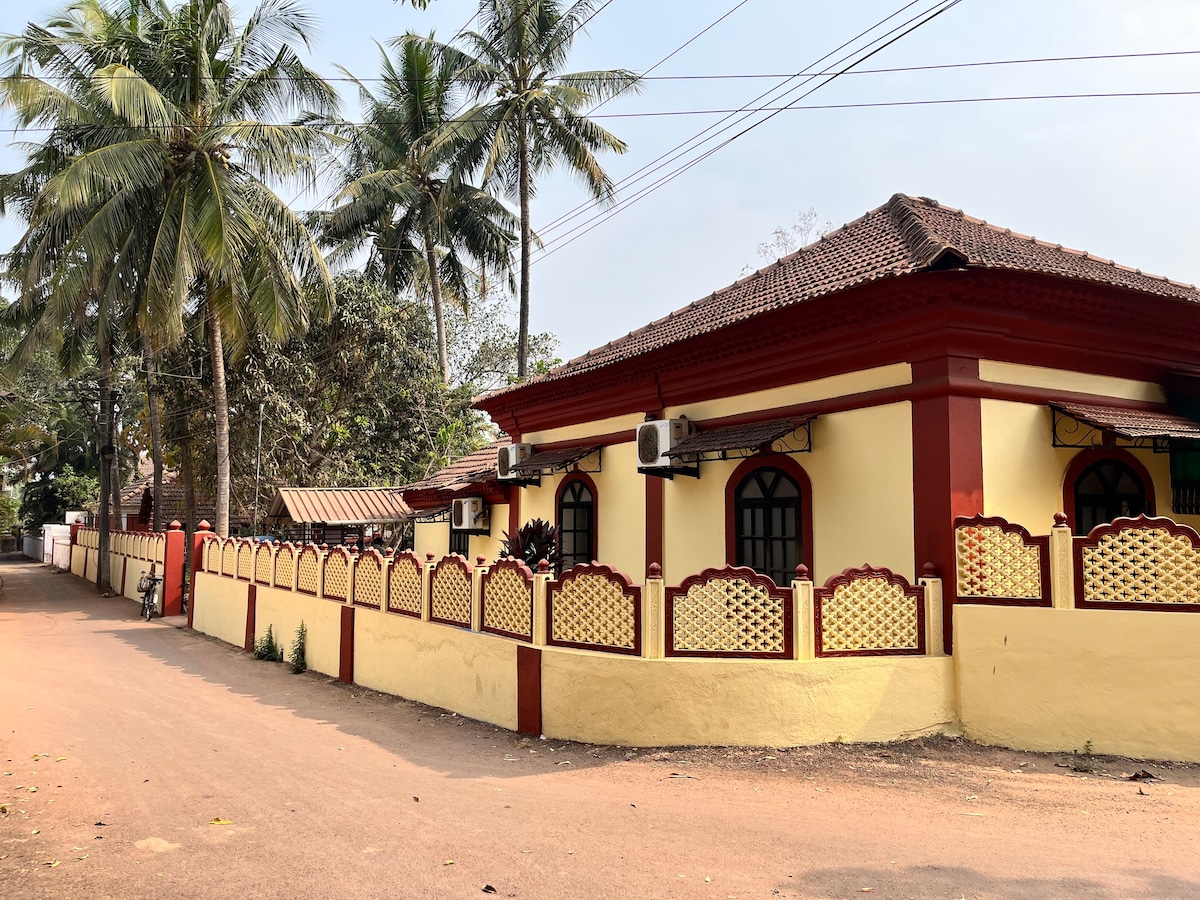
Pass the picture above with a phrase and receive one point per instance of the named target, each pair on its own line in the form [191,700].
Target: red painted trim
[601,440]
[406,558]
[797,473]
[825,593]
[529,690]
[1019,317]
[947,437]
[346,647]
[1040,542]
[1088,457]
[654,520]
[593,552]
[728,573]
[251,613]
[124,569]
[632,592]
[485,581]
[464,567]
[514,509]
[173,569]
[1116,526]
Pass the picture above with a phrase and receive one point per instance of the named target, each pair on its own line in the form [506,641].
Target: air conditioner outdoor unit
[468,514]
[509,456]
[655,438]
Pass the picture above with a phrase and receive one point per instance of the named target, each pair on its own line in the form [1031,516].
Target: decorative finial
[204,526]
[324,547]
[480,560]
[543,567]
[1060,519]
[175,525]
[655,570]
[428,557]
[802,573]
[929,570]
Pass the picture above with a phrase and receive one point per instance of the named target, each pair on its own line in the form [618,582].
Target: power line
[892,36]
[697,140]
[751,76]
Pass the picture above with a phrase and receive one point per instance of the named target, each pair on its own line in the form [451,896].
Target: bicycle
[148,585]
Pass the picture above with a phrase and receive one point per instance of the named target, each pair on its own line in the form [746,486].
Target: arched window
[576,521]
[1105,489]
[770,526]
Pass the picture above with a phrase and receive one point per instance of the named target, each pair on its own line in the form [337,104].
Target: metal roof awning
[1084,425]
[547,462]
[339,506]
[433,514]
[745,440]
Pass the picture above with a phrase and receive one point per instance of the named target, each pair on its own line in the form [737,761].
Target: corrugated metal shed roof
[340,506]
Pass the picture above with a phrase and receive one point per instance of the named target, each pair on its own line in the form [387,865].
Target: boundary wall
[726,656]
[130,554]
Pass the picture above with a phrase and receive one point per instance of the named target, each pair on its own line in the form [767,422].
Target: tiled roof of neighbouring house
[339,506]
[474,468]
[905,235]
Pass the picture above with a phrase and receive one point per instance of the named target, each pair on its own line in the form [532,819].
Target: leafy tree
[529,115]
[483,346]
[49,499]
[169,117]
[402,198]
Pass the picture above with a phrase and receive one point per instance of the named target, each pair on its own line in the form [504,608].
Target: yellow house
[925,475]
[845,405]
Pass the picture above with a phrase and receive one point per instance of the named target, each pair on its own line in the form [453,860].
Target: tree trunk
[216,346]
[103,435]
[526,238]
[189,501]
[439,316]
[114,479]
[156,444]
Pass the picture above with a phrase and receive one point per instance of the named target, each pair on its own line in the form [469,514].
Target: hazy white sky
[1113,176]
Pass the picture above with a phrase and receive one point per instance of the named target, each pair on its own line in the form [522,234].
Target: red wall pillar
[947,469]
[173,571]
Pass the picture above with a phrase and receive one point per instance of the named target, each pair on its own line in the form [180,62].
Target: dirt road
[121,741]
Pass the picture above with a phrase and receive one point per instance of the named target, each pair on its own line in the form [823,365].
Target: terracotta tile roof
[905,235]
[173,499]
[475,468]
[1132,423]
[737,437]
[339,506]
[552,460]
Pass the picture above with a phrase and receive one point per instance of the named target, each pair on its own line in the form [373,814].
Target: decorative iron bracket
[1071,433]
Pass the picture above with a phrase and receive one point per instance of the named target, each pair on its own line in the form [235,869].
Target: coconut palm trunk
[154,412]
[526,239]
[103,436]
[216,347]
[439,313]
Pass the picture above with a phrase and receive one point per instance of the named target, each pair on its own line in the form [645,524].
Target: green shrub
[298,661]
[266,647]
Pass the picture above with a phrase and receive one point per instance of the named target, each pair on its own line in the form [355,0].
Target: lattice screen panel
[1142,565]
[337,575]
[285,566]
[869,614]
[263,564]
[229,551]
[592,610]
[508,603]
[993,563]
[450,599]
[245,560]
[308,572]
[368,581]
[404,585]
[729,615]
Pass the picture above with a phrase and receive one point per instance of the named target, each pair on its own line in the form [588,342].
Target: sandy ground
[122,741]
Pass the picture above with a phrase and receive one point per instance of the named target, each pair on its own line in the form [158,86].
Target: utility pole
[258,467]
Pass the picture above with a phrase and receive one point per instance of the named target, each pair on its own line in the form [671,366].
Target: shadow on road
[432,738]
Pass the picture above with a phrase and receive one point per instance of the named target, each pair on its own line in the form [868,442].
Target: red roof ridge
[903,236]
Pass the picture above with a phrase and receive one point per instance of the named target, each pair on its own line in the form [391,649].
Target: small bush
[298,661]
[266,647]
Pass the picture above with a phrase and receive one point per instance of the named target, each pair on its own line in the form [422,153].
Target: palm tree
[168,124]
[403,198]
[529,115]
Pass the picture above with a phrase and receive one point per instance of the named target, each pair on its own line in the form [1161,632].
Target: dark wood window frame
[564,486]
[1088,458]
[793,470]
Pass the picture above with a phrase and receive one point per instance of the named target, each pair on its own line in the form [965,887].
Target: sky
[1113,176]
